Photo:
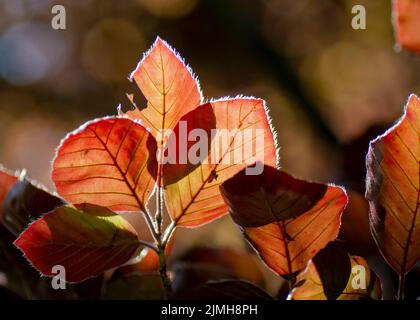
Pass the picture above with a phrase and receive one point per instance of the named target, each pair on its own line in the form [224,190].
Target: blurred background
[329,88]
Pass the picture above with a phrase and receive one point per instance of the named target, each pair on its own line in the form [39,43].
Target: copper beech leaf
[406,17]
[85,239]
[334,268]
[239,134]
[392,189]
[311,287]
[286,220]
[174,101]
[109,162]
[169,87]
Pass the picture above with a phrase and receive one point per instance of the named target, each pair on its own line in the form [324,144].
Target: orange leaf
[169,87]
[287,220]
[110,162]
[392,188]
[407,23]
[86,240]
[192,190]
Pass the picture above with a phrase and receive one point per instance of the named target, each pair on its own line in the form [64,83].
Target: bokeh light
[111,49]
[30,52]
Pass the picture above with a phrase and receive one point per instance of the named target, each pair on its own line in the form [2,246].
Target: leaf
[334,268]
[226,290]
[287,220]
[21,278]
[109,162]
[406,18]
[25,202]
[85,239]
[240,135]
[20,202]
[392,189]
[168,86]
[7,181]
[173,95]
[311,287]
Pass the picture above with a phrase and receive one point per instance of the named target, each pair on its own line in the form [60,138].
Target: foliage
[120,163]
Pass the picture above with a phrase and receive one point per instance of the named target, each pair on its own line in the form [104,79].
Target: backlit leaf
[310,285]
[110,162]
[168,86]
[406,15]
[238,134]
[22,200]
[287,220]
[85,239]
[334,267]
[392,188]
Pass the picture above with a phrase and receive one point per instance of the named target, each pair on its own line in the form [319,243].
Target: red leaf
[287,220]
[407,23]
[109,162]
[86,240]
[192,190]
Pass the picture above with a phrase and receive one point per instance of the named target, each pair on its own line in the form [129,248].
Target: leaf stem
[401,287]
[292,282]
[161,242]
[158,216]
[151,224]
[166,281]
[168,232]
